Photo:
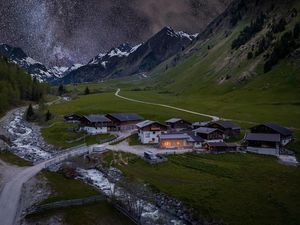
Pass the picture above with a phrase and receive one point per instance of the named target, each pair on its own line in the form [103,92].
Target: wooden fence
[65,203]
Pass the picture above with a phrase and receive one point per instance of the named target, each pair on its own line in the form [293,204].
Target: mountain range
[121,61]
[233,48]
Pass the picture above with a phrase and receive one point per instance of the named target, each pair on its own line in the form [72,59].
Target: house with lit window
[180,141]
[149,131]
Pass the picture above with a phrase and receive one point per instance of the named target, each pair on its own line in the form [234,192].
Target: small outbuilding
[178,124]
[268,144]
[220,147]
[286,135]
[149,131]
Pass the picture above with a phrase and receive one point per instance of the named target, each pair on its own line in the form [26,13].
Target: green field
[94,214]
[237,188]
[60,135]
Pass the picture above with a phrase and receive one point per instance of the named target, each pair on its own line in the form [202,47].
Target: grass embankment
[11,158]
[94,214]
[61,135]
[239,189]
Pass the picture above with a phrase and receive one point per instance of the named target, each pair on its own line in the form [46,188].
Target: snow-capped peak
[186,35]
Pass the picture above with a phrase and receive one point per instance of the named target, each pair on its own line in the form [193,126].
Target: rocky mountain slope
[127,60]
[245,44]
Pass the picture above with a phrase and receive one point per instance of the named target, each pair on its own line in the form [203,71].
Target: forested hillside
[17,86]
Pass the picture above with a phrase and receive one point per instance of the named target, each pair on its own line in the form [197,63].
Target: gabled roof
[147,123]
[97,118]
[280,129]
[205,130]
[226,124]
[126,116]
[173,120]
[262,137]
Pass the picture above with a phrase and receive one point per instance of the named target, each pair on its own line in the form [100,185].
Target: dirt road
[214,118]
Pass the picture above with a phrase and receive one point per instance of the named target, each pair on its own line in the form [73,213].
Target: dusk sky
[63,32]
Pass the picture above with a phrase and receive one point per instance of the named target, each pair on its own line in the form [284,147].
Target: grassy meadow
[238,189]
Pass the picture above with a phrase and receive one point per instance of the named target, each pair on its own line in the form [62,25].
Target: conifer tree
[29,113]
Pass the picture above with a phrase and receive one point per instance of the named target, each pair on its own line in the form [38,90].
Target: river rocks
[26,138]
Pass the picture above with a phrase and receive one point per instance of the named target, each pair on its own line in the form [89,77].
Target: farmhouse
[149,131]
[180,141]
[178,124]
[73,118]
[124,121]
[210,134]
[268,144]
[95,124]
[220,147]
[229,128]
[286,135]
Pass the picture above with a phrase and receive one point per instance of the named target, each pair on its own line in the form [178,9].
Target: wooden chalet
[286,135]
[268,144]
[95,124]
[124,121]
[178,124]
[229,128]
[149,131]
[210,134]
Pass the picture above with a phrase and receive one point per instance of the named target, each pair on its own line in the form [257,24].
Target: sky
[64,32]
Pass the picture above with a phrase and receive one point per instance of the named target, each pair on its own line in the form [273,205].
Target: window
[147,135]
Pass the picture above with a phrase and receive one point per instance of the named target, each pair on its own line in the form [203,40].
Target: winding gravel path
[214,118]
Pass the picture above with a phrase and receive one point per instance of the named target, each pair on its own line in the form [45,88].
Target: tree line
[17,86]
[288,42]
[249,31]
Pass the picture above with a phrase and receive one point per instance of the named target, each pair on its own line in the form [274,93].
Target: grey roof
[262,137]
[227,124]
[174,136]
[195,138]
[205,130]
[173,120]
[126,116]
[201,124]
[147,123]
[280,129]
[97,118]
